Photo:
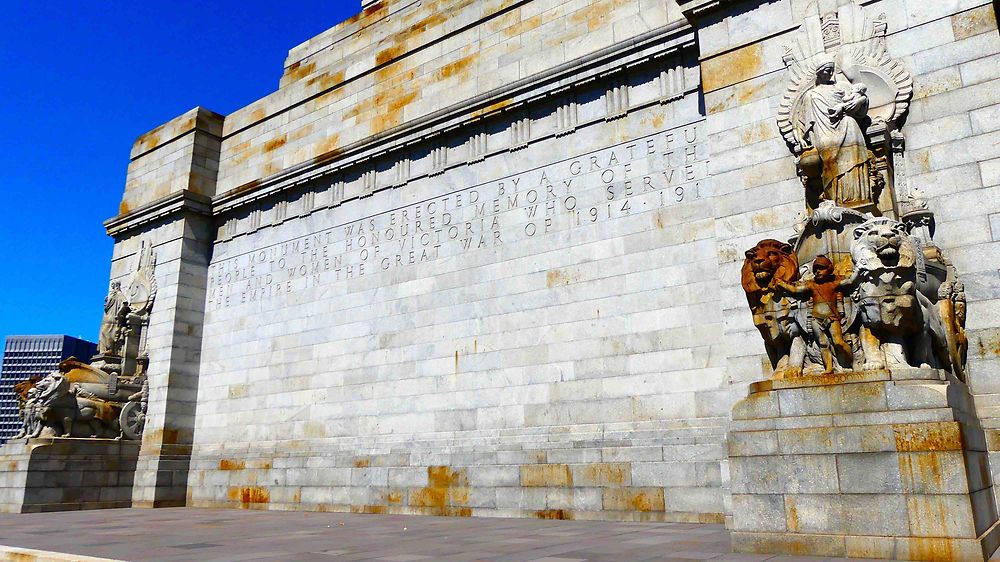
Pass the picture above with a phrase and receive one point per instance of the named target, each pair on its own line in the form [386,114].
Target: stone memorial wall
[483,257]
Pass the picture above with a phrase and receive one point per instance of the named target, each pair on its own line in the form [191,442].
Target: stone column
[167,205]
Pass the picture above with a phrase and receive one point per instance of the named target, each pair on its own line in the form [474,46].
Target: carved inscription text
[644,175]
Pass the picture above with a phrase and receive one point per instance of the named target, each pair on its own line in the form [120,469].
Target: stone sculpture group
[891,312]
[861,287]
[107,397]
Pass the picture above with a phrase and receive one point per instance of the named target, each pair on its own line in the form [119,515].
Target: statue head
[822,269]
[883,243]
[767,262]
[826,69]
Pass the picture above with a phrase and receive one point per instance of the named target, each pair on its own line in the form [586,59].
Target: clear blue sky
[80,81]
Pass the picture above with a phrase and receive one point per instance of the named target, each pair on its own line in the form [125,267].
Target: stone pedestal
[866,465]
[66,474]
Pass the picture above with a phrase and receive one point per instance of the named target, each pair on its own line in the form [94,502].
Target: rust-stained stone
[249,495]
[883,470]
[369,509]
[328,80]
[795,544]
[239,390]
[275,143]
[297,70]
[945,436]
[545,475]
[988,343]
[560,514]
[595,14]
[634,499]
[732,67]
[936,472]
[741,94]
[492,108]
[227,464]
[457,68]
[973,22]
[601,475]
[940,515]
[396,497]
[447,492]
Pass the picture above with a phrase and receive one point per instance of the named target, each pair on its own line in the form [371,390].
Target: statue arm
[793,289]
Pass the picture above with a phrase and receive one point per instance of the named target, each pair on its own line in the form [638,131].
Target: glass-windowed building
[32,356]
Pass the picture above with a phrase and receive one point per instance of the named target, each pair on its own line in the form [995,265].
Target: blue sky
[81,80]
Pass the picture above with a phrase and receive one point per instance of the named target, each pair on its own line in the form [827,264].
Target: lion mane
[883,243]
[900,324]
[766,263]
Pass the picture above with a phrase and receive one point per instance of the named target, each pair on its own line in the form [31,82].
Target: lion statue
[59,404]
[767,264]
[900,326]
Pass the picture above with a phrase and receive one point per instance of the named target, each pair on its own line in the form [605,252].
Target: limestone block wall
[181,155]
[166,212]
[398,62]
[530,332]
[951,49]
[62,475]
[482,258]
[181,244]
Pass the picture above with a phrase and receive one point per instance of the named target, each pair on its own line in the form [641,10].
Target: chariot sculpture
[105,399]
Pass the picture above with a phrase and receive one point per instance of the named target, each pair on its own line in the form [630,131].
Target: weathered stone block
[545,475]
[869,473]
[752,443]
[67,474]
[601,475]
[759,512]
[634,499]
[843,491]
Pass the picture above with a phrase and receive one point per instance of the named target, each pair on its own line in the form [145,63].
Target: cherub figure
[823,292]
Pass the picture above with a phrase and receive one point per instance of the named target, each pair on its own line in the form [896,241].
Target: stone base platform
[862,465]
[41,475]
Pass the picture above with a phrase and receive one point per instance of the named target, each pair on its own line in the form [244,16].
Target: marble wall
[487,263]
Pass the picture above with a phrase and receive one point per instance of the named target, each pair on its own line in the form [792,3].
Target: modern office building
[32,356]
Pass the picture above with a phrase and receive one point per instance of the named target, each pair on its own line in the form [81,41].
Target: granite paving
[229,535]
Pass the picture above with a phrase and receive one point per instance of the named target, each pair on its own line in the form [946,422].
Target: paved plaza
[229,535]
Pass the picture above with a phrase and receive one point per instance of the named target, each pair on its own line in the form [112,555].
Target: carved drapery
[844,108]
